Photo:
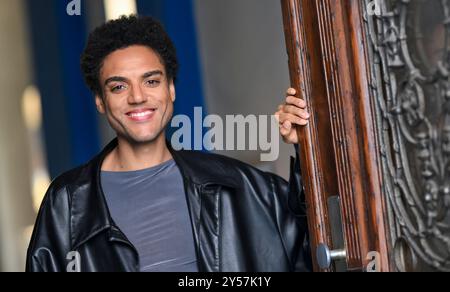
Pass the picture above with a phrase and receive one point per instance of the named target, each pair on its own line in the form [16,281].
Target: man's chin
[143,139]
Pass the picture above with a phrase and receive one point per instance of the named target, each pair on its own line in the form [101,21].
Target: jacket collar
[90,212]
[202,169]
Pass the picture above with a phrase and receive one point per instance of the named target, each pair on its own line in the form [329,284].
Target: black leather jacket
[242,219]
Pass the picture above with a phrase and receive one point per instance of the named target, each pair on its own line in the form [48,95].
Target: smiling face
[137,96]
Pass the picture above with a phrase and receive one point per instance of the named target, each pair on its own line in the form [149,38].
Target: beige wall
[16,211]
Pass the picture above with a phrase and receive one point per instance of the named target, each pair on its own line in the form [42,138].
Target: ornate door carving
[410,53]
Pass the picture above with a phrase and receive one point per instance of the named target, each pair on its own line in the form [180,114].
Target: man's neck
[130,157]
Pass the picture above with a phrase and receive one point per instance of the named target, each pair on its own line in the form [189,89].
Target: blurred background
[233,61]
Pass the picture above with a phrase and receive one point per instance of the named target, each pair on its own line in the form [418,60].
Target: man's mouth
[141,115]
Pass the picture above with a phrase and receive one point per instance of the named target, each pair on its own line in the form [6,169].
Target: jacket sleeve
[292,220]
[50,241]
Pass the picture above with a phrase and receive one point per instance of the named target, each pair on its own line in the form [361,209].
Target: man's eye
[117,88]
[153,83]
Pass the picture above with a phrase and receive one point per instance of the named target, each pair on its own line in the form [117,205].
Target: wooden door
[376,155]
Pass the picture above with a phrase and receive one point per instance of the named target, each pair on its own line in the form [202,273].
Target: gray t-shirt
[150,208]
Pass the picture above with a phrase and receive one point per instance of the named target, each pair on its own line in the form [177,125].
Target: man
[141,206]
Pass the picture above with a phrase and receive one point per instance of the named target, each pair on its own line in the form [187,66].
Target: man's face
[137,96]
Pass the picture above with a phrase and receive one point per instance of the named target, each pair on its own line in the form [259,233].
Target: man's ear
[172,91]
[100,104]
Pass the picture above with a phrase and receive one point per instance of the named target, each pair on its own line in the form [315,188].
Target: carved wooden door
[376,155]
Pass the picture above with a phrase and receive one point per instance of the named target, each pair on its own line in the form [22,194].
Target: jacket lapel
[204,178]
[89,213]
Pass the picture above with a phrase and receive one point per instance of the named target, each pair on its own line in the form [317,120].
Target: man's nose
[137,95]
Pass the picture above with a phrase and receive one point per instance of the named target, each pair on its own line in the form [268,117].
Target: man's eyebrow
[123,79]
[115,79]
[152,73]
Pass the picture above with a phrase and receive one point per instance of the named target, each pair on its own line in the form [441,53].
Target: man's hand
[291,115]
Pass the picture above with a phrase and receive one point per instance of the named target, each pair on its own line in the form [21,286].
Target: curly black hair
[122,33]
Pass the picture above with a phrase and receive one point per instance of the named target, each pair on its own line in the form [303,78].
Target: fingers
[292,100]
[290,109]
[289,133]
[292,119]
[291,114]
[291,91]
[287,125]
[285,129]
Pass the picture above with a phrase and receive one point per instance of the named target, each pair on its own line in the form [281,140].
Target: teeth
[140,115]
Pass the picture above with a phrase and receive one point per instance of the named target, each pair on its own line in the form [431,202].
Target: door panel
[375,75]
